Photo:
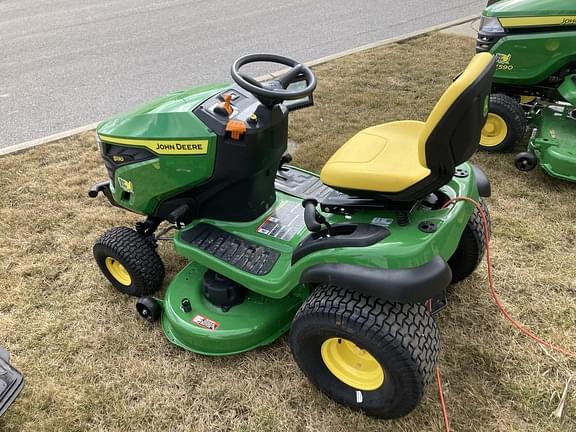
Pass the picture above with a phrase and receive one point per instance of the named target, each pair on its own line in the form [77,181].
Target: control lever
[176,215]
[312,217]
[224,108]
[286,158]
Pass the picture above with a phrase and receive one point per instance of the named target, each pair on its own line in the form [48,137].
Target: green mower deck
[209,330]
[554,141]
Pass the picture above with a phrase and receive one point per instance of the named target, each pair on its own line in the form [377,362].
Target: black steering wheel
[274,91]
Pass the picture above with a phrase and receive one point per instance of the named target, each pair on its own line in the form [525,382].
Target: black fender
[407,285]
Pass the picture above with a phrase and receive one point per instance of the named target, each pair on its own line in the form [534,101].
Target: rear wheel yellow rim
[494,131]
[351,364]
[118,271]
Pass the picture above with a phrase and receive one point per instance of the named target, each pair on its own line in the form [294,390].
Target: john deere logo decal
[163,147]
[503,58]
[503,62]
[179,147]
[125,185]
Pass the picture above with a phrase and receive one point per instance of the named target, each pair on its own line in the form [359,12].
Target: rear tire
[364,352]
[505,125]
[471,247]
[129,261]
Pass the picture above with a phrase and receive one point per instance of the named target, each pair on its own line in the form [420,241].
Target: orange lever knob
[228,104]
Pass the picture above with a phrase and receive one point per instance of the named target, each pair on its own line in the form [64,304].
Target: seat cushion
[384,158]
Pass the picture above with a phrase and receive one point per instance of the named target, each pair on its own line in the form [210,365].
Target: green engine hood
[169,117]
[531,8]
[534,13]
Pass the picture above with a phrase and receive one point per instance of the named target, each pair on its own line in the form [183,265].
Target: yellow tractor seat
[407,160]
[387,154]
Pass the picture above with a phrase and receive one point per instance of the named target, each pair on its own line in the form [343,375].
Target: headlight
[490,25]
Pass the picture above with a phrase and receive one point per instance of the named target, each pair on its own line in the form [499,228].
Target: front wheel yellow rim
[494,131]
[351,364]
[118,271]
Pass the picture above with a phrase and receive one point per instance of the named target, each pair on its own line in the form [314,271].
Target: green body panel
[170,174]
[534,55]
[529,8]
[257,321]
[568,89]
[167,118]
[530,58]
[405,247]
[553,141]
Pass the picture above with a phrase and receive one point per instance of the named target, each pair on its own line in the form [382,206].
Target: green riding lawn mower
[353,263]
[534,82]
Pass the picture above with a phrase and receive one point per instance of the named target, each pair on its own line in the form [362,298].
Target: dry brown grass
[92,364]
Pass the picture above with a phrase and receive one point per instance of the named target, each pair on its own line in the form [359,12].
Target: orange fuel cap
[236,128]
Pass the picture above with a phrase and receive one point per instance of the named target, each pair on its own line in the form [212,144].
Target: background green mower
[534,82]
[346,261]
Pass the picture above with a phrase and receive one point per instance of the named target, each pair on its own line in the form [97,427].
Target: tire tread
[406,326]
[137,254]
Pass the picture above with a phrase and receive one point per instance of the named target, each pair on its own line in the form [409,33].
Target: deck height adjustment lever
[312,217]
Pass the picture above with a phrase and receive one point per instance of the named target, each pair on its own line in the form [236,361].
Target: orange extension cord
[499,304]
[438,378]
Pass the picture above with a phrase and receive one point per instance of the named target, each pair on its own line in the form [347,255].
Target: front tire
[149,309]
[129,261]
[364,352]
[471,247]
[505,125]
[525,161]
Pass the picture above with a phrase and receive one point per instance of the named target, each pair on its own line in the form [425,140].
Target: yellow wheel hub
[351,364]
[494,131]
[118,271]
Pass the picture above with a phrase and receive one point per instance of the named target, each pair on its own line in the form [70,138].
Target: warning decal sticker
[201,321]
[285,222]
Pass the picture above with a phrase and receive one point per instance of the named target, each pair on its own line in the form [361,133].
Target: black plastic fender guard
[408,285]
[484,188]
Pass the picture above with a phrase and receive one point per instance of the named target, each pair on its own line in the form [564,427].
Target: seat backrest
[452,131]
